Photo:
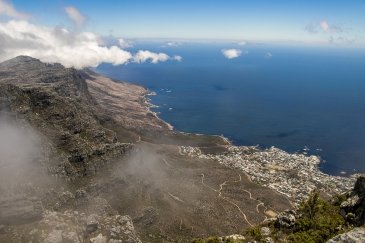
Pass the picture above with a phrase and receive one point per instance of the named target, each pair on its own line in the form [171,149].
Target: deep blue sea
[297,97]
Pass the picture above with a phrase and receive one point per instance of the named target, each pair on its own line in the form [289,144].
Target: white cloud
[60,45]
[173,44]
[75,15]
[144,56]
[335,34]
[8,10]
[324,25]
[123,43]
[268,55]
[177,58]
[231,53]
[242,43]
[72,49]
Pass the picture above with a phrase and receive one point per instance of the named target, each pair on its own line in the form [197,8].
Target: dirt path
[226,199]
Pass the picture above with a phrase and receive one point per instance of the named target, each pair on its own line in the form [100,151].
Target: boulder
[285,219]
[350,202]
[357,235]
[234,237]
[265,231]
[268,240]
[92,223]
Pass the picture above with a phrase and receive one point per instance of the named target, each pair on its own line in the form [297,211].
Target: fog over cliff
[20,153]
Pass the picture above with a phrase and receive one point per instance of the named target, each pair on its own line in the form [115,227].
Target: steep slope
[56,101]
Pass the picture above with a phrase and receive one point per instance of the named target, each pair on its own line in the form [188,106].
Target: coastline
[125,102]
[294,175]
[230,143]
[147,102]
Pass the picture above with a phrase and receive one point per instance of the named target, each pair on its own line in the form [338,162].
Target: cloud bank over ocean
[72,48]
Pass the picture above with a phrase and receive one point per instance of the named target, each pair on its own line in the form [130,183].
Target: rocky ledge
[356,235]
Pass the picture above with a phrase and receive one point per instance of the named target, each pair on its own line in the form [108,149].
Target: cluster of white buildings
[294,175]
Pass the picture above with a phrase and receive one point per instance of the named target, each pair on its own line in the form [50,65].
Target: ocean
[297,98]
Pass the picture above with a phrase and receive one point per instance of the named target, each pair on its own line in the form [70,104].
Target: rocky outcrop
[73,227]
[353,209]
[356,235]
[77,138]
[286,219]
[56,101]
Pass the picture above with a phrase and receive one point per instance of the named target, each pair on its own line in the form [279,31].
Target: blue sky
[256,20]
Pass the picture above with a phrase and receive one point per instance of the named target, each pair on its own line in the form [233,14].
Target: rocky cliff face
[50,108]
[56,101]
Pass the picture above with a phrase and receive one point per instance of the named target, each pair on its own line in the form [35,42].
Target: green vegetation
[319,221]
[255,233]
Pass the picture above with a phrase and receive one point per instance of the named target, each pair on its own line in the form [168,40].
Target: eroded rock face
[356,235]
[56,102]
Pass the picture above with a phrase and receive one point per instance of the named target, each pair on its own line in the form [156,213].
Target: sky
[259,20]
[85,33]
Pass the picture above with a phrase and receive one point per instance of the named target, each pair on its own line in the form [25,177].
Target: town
[293,175]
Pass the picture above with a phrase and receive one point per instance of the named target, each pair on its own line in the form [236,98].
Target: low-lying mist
[144,164]
[20,154]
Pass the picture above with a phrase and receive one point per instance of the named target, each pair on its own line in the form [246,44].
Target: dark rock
[92,224]
[359,188]
[76,158]
[91,227]
[286,219]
